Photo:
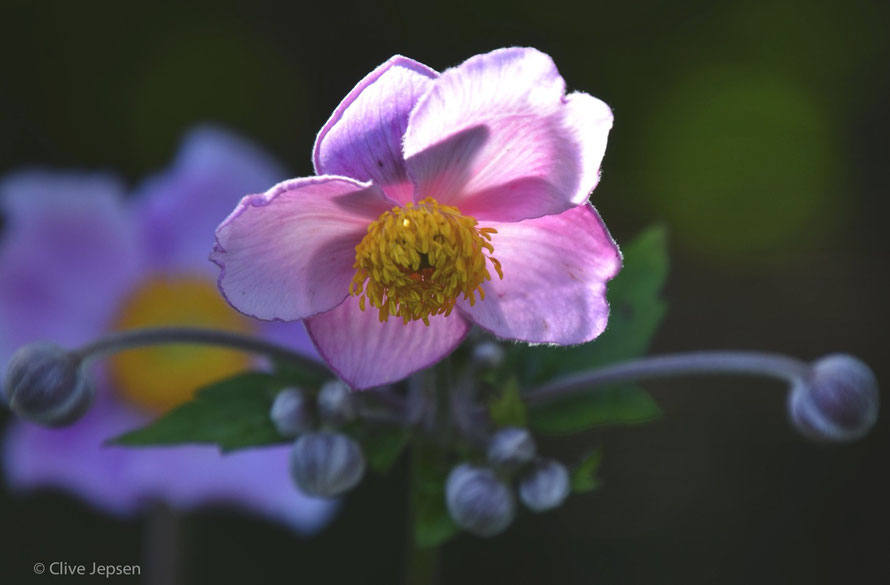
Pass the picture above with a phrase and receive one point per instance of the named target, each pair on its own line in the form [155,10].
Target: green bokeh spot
[741,163]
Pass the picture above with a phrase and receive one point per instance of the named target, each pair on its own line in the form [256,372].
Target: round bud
[489,355]
[545,486]
[478,500]
[511,447]
[336,405]
[290,413]
[45,384]
[838,401]
[326,464]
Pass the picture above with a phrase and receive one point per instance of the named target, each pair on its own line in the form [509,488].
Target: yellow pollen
[162,377]
[415,261]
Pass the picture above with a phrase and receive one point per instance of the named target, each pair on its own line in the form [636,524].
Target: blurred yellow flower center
[415,261]
[161,377]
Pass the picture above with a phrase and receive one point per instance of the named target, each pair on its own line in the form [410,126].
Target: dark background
[756,131]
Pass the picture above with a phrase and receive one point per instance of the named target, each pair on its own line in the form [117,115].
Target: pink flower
[441,200]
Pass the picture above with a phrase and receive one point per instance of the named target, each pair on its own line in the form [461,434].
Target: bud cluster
[324,462]
[480,498]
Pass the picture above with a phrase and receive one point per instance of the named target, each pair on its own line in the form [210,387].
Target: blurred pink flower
[440,201]
[77,259]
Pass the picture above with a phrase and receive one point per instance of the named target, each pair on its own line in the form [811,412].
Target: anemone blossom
[440,201]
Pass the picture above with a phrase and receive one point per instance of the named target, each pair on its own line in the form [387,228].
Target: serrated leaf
[507,409]
[601,406]
[232,413]
[583,476]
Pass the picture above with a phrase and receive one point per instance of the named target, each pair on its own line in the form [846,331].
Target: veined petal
[363,137]
[68,252]
[365,352]
[555,273]
[497,137]
[589,121]
[179,208]
[122,480]
[288,253]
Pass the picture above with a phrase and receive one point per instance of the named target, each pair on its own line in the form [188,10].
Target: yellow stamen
[415,261]
[161,377]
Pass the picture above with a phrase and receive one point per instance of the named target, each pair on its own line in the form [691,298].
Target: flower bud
[478,501]
[489,355]
[838,401]
[45,384]
[290,413]
[511,447]
[545,487]
[326,464]
[336,405]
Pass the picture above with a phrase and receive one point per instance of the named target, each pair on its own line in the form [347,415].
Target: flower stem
[163,545]
[695,363]
[421,564]
[133,338]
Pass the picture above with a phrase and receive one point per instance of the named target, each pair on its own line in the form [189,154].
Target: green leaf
[507,409]
[432,524]
[306,374]
[382,446]
[429,471]
[583,477]
[232,413]
[601,406]
[636,310]
[636,307]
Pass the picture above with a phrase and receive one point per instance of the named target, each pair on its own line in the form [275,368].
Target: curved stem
[133,338]
[703,362]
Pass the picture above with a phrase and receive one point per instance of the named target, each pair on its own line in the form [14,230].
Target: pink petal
[589,121]
[363,137]
[365,352]
[288,253]
[555,273]
[497,137]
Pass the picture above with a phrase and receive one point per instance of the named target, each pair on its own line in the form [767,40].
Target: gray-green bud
[545,486]
[326,464]
[838,401]
[478,500]
[511,447]
[336,404]
[45,384]
[290,413]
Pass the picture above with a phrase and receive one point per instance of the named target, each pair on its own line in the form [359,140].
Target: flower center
[162,377]
[416,260]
